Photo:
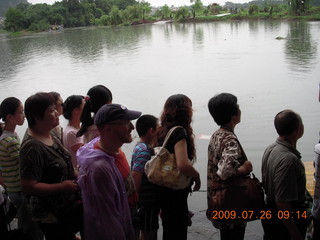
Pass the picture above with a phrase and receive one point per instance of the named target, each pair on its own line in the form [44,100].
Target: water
[143,65]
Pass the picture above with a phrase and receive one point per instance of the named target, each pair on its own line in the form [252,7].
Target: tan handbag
[162,168]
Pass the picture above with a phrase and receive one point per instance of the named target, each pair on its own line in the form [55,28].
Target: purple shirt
[105,203]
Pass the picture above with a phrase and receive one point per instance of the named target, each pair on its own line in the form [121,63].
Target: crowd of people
[71,182]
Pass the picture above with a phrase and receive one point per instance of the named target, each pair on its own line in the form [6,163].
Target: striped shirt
[9,161]
[140,155]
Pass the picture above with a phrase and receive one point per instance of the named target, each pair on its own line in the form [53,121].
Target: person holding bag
[173,203]
[226,160]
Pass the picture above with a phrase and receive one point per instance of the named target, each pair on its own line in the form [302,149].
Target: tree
[36,13]
[197,7]
[146,9]
[105,20]
[165,11]
[14,20]
[299,6]
[115,16]
[182,12]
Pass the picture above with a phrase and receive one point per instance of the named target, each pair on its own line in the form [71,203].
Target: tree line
[78,13]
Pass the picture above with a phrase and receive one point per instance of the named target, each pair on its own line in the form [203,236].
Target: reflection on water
[301,49]
[145,64]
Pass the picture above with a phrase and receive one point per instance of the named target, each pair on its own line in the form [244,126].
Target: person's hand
[197,184]
[69,186]
[245,168]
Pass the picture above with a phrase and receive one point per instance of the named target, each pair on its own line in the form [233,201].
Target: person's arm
[229,165]
[289,223]
[34,187]
[141,154]
[137,177]
[75,147]
[184,165]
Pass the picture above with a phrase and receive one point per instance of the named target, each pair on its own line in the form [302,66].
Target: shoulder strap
[168,135]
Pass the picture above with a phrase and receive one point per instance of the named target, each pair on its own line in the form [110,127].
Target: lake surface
[143,65]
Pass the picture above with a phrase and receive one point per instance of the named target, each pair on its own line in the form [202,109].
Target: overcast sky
[160,2]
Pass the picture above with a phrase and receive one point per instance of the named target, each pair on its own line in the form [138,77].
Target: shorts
[149,219]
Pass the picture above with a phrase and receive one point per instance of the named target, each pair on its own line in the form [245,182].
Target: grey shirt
[283,173]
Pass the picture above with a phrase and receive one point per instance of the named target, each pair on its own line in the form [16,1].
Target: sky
[160,2]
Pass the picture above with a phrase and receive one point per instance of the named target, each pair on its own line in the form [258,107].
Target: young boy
[146,127]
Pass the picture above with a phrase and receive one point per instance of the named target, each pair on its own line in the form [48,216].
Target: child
[149,207]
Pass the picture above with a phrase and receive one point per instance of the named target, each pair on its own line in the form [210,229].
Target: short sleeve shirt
[283,173]
[46,164]
[140,155]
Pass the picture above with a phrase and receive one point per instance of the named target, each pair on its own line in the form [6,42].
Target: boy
[146,127]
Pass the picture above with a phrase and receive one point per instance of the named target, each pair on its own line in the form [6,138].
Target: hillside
[5,4]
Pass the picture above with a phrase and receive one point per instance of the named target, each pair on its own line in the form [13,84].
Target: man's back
[283,174]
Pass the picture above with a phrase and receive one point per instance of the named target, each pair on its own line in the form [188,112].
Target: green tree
[253,9]
[36,13]
[165,11]
[145,8]
[299,6]
[182,12]
[105,20]
[14,20]
[115,16]
[196,8]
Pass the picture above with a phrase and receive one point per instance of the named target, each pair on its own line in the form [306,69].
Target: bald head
[287,122]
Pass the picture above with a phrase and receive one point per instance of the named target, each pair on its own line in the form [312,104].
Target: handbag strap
[168,135]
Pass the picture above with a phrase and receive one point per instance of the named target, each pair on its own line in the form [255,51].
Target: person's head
[40,107]
[114,122]
[223,107]
[145,123]
[58,102]
[71,104]
[11,111]
[287,123]
[177,111]
[96,97]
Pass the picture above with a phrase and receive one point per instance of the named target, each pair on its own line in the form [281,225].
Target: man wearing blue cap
[106,210]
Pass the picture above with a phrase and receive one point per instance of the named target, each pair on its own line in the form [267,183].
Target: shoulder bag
[162,168]
[237,198]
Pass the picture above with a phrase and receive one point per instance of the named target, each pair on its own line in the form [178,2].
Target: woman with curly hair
[173,203]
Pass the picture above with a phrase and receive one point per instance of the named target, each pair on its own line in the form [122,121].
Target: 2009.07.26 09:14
[252,215]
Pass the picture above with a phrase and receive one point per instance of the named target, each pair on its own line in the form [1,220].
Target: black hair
[72,102]
[36,105]
[55,96]
[8,106]
[144,123]
[286,122]
[97,97]
[223,107]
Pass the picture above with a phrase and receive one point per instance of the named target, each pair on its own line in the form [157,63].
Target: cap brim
[131,115]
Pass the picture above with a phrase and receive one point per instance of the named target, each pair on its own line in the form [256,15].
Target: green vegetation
[77,13]
[6,4]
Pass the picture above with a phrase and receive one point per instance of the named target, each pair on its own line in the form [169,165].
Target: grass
[312,15]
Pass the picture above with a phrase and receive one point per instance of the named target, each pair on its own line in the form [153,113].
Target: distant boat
[56,27]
